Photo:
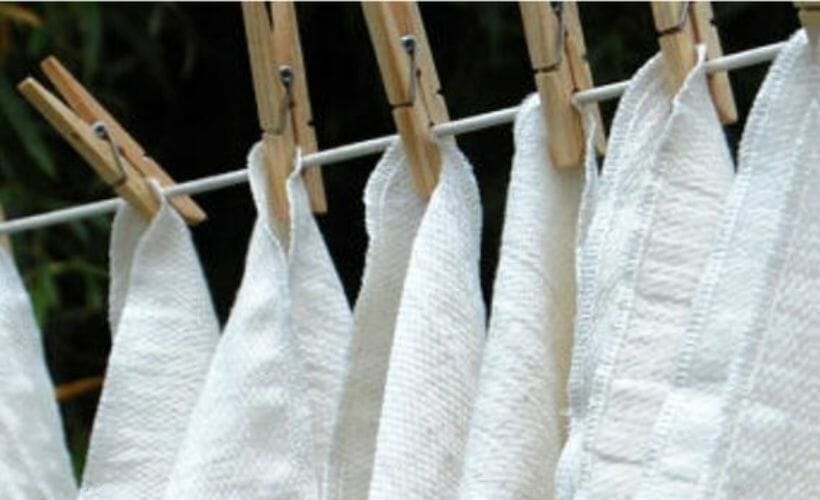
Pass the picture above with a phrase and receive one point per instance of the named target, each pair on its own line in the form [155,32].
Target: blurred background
[178,77]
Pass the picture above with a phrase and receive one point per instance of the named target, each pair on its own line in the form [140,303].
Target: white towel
[164,330]
[393,213]
[691,174]
[34,461]
[606,225]
[518,424]
[433,371]
[741,419]
[261,426]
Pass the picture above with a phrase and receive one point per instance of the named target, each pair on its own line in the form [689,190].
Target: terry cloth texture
[518,423]
[34,461]
[608,223]
[741,419]
[691,174]
[434,362]
[261,428]
[393,213]
[164,331]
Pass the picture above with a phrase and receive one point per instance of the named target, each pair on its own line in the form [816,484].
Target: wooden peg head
[284,111]
[809,14]
[681,26]
[411,83]
[89,111]
[555,42]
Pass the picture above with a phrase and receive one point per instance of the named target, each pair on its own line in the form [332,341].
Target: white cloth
[741,419]
[610,216]
[34,461]
[164,331]
[434,362]
[393,213]
[277,368]
[691,173]
[518,423]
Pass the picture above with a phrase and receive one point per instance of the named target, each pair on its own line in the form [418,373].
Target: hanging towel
[740,421]
[261,426]
[34,461]
[691,174]
[517,427]
[393,213]
[433,370]
[609,217]
[164,330]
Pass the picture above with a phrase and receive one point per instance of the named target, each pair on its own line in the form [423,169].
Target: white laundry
[691,174]
[393,213]
[610,216]
[261,428]
[34,461]
[518,423]
[741,419]
[164,331]
[434,362]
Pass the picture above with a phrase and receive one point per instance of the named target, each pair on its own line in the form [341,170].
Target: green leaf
[93,293]
[91,28]
[20,120]
[44,294]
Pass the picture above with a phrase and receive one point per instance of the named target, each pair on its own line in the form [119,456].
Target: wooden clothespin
[681,26]
[411,84]
[111,151]
[282,99]
[555,41]
[809,13]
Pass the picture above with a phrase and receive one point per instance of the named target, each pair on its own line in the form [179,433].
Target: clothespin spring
[286,76]
[101,131]
[408,42]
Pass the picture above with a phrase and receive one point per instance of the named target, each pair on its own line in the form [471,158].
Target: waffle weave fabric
[691,174]
[164,331]
[518,425]
[434,362]
[34,461]
[739,422]
[393,212]
[608,224]
[261,427]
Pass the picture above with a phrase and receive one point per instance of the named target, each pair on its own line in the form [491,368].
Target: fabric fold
[609,217]
[34,461]
[261,428]
[434,361]
[738,422]
[393,213]
[164,331]
[690,176]
[518,423]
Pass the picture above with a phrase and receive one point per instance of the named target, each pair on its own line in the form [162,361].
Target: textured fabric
[393,213]
[164,332]
[517,426]
[433,370]
[34,460]
[322,320]
[691,174]
[277,367]
[740,421]
[607,223]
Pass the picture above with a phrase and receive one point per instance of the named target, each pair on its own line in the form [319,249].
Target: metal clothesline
[370,146]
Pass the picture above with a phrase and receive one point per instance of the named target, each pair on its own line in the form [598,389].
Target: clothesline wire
[367,147]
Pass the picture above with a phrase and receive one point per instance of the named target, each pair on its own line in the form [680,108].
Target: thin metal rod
[370,146]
